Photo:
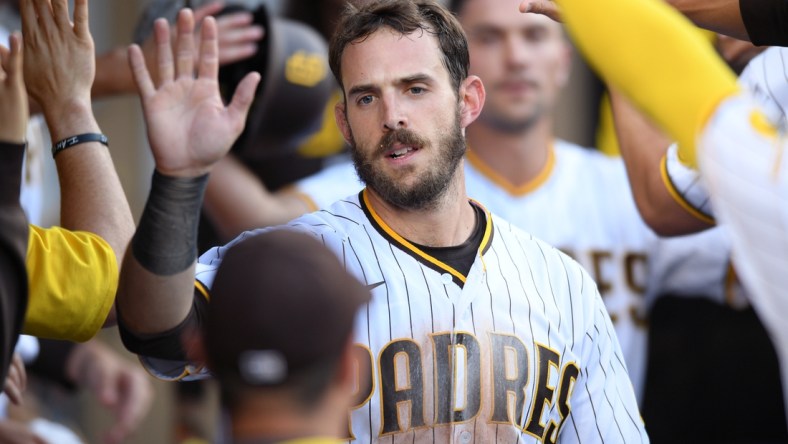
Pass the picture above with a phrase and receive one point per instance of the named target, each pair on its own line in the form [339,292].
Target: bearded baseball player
[476,331]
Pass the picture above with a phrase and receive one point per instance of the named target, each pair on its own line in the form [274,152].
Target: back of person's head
[281,316]
[403,17]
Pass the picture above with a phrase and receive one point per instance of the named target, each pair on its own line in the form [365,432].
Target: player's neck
[447,224]
[517,157]
[269,418]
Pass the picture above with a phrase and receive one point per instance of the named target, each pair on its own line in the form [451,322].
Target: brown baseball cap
[280,303]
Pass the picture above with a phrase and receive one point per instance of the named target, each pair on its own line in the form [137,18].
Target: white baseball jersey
[519,350]
[743,161]
[582,203]
[744,178]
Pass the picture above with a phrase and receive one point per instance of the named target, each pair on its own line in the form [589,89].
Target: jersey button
[446,278]
[465,436]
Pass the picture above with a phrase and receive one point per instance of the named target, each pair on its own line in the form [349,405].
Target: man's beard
[430,186]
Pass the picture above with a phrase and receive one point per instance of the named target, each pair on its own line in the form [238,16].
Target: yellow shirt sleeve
[654,56]
[72,277]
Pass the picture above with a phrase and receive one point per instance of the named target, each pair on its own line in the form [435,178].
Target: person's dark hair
[404,17]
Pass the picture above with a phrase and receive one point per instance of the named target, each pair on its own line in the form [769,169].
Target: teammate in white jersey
[739,151]
[476,331]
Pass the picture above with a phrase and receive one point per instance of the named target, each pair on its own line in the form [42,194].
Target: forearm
[13,247]
[236,200]
[156,289]
[92,198]
[645,49]
[642,149]
[722,16]
[766,21]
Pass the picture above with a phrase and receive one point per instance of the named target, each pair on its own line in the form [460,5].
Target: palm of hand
[189,128]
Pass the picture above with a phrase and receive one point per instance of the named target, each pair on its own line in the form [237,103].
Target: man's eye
[365,100]
[417,90]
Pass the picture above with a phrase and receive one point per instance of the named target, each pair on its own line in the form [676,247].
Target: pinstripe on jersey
[581,202]
[522,348]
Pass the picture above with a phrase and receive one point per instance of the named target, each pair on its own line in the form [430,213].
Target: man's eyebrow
[361,89]
[407,80]
[416,78]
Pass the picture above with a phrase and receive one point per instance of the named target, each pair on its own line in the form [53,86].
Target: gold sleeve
[655,57]
[72,277]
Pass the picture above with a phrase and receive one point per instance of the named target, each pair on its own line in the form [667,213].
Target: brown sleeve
[766,21]
[13,249]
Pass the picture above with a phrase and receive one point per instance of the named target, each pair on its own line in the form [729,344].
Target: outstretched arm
[721,16]
[189,130]
[643,149]
[236,200]
[59,71]
[120,386]
[628,56]
[761,21]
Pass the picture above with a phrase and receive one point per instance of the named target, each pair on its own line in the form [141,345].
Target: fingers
[5,61]
[161,32]
[60,14]
[135,395]
[81,18]
[185,43]
[29,21]
[207,10]
[238,28]
[16,380]
[237,37]
[140,72]
[44,13]
[15,58]
[209,50]
[11,58]
[242,99]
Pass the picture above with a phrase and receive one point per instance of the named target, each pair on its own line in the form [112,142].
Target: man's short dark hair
[404,17]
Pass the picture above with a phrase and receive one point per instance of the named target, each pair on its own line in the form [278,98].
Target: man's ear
[472,97]
[340,115]
[192,341]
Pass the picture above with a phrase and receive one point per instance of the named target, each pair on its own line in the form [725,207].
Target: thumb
[243,97]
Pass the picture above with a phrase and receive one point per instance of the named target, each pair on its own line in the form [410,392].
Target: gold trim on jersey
[512,189]
[674,193]
[420,254]
[202,289]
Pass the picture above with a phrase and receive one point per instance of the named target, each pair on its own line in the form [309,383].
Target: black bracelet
[76,140]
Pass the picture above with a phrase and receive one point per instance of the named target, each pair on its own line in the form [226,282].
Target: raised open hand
[189,127]
[13,97]
[59,56]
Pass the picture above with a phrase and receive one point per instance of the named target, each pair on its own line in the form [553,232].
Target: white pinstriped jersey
[743,162]
[520,350]
[744,176]
[582,203]
[766,78]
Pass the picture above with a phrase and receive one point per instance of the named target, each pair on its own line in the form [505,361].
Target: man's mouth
[399,152]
